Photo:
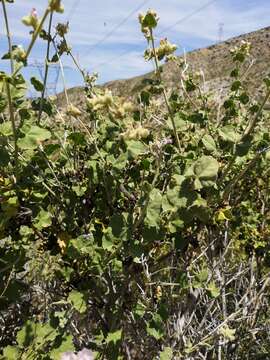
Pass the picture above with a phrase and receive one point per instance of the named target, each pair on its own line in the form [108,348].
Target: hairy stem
[46,67]
[254,121]
[8,35]
[164,91]
[12,119]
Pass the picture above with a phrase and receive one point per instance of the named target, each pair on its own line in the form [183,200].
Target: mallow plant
[137,227]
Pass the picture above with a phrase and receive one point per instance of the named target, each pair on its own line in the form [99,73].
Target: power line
[188,16]
[112,59]
[116,27]
[183,19]
[73,9]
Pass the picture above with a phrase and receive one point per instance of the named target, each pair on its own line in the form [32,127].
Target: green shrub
[137,230]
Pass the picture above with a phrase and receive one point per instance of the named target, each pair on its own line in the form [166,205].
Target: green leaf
[114,336]
[6,128]
[38,85]
[76,299]
[45,104]
[118,225]
[45,333]
[33,137]
[213,290]
[26,335]
[166,354]
[228,133]
[209,143]
[206,168]
[4,157]
[35,332]
[154,332]
[155,327]
[43,220]
[180,124]
[65,346]
[227,333]
[11,353]
[77,138]
[154,208]
[135,148]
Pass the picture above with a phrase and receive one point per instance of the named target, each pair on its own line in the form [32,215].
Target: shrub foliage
[137,228]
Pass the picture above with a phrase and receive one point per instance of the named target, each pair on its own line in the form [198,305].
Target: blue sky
[120,55]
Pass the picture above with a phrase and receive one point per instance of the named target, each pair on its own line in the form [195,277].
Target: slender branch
[144,209]
[62,72]
[164,91]
[46,67]
[242,173]
[246,133]
[12,119]
[8,36]
[254,121]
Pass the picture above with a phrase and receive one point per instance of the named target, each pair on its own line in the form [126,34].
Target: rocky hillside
[215,62]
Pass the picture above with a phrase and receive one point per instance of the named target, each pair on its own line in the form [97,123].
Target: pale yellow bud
[73,111]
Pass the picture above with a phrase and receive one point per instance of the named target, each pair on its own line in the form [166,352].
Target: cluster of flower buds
[117,107]
[239,53]
[62,29]
[101,102]
[121,109]
[31,19]
[135,134]
[73,111]
[165,49]
[56,5]
[148,22]
[19,53]
[63,47]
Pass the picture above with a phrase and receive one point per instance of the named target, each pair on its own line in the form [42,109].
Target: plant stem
[12,118]
[246,133]
[8,36]
[62,73]
[46,67]
[254,121]
[76,63]
[239,176]
[153,184]
[164,91]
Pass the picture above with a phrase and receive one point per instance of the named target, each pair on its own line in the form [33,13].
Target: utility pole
[220,32]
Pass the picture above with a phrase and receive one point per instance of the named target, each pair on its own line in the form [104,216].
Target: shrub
[140,231]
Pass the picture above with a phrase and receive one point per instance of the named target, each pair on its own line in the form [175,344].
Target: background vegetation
[139,230]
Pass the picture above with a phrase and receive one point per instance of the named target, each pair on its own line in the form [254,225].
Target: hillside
[214,61]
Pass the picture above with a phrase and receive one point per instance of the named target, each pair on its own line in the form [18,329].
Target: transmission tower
[53,75]
[220,32]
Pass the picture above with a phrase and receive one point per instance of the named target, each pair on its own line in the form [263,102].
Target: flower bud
[135,134]
[73,111]
[31,20]
[101,101]
[19,53]
[56,5]
[149,20]
[62,29]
